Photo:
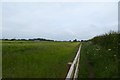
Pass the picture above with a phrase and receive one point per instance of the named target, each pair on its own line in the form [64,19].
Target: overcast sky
[58,20]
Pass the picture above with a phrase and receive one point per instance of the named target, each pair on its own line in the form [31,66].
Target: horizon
[57,40]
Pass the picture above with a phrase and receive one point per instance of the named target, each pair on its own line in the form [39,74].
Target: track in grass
[98,62]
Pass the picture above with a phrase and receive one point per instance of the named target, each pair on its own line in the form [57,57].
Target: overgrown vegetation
[108,40]
[29,59]
[100,58]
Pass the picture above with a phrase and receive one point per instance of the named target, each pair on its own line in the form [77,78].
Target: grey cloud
[59,21]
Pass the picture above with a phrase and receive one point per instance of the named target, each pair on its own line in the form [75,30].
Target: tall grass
[29,59]
[102,54]
[0,59]
[108,40]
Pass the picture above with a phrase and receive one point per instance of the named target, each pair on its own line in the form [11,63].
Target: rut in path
[90,69]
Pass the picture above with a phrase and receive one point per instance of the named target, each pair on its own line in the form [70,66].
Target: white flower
[109,49]
[106,67]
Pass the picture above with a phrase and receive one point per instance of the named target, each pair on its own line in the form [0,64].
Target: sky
[60,0]
[58,20]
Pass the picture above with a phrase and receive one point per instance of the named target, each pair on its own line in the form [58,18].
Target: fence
[73,71]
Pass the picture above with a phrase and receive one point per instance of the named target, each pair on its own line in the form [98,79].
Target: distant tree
[12,39]
[39,39]
[69,40]
[81,40]
[75,40]
[30,39]
[5,39]
[23,39]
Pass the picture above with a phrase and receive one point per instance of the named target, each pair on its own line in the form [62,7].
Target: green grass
[100,56]
[25,59]
[0,59]
[104,62]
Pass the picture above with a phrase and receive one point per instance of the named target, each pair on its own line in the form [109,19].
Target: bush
[108,40]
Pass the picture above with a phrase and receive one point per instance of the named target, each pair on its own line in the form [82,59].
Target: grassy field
[25,59]
[0,59]
[99,57]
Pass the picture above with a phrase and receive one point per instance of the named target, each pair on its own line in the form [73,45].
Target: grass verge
[103,62]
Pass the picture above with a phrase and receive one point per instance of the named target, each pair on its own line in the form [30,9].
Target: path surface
[90,69]
[86,69]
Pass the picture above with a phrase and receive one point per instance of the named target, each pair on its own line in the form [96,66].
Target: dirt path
[90,69]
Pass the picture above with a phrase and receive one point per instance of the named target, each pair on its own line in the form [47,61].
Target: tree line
[39,39]
[34,39]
